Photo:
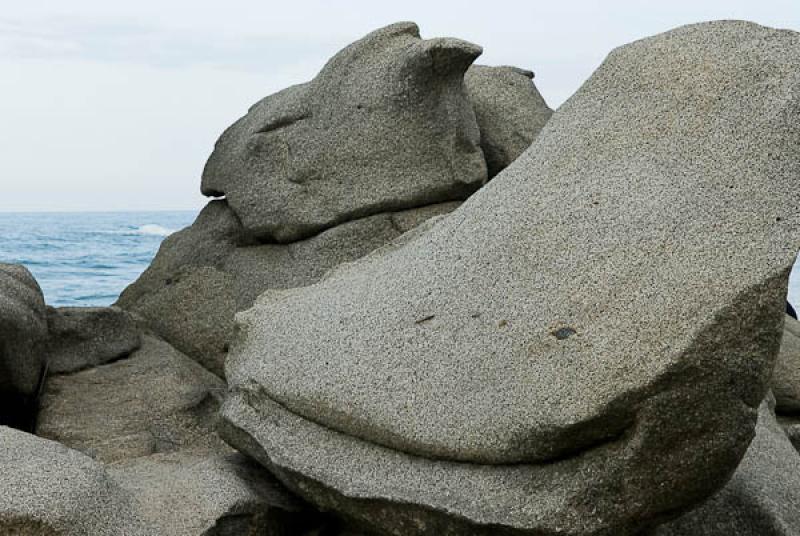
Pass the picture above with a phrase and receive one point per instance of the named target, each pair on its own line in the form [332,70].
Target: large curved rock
[762,498]
[567,351]
[155,400]
[509,109]
[47,489]
[23,328]
[205,273]
[385,126]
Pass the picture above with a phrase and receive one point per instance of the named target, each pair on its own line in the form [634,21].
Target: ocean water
[794,286]
[86,258]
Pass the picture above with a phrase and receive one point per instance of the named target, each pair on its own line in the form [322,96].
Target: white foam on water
[153,230]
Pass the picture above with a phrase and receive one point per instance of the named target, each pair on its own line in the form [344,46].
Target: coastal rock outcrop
[323,173]
[83,337]
[531,363]
[762,497]
[385,126]
[155,400]
[206,273]
[509,109]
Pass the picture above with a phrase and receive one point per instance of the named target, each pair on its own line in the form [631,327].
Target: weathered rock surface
[509,109]
[786,376]
[47,489]
[23,328]
[762,498]
[183,494]
[531,363]
[156,400]
[205,273]
[385,126]
[83,337]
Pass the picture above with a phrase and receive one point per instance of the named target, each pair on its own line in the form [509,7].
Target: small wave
[153,230]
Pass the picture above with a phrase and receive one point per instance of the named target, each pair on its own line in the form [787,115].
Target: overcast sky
[109,105]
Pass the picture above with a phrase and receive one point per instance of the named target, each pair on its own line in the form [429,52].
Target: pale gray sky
[109,105]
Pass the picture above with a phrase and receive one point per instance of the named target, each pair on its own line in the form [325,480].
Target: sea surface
[88,258]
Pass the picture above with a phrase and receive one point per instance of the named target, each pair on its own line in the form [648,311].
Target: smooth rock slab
[207,272]
[509,109]
[580,339]
[83,337]
[155,400]
[762,498]
[385,126]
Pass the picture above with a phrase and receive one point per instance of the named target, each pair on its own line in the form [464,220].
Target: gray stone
[786,376]
[194,311]
[761,499]
[23,328]
[182,494]
[155,400]
[83,337]
[509,109]
[791,427]
[47,489]
[531,363]
[205,273]
[385,126]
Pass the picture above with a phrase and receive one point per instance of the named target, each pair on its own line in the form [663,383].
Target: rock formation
[528,349]
[385,126]
[23,327]
[155,400]
[509,109]
[325,172]
[206,273]
[582,347]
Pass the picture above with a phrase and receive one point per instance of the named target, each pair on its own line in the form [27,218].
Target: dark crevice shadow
[20,411]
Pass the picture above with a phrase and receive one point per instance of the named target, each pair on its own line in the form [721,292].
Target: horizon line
[104,211]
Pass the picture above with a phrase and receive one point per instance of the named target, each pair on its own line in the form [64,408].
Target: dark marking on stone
[421,320]
[563,333]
